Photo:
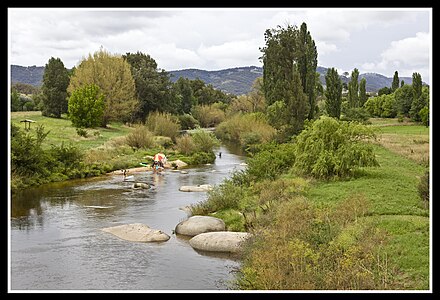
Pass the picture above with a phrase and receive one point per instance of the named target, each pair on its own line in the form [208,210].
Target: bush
[328,148]
[163,124]
[204,141]
[140,137]
[208,115]
[86,106]
[187,121]
[185,144]
[271,162]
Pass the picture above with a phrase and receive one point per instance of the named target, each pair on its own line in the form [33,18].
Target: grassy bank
[367,232]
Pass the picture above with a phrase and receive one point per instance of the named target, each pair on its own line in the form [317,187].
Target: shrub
[328,148]
[86,106]
[185,144]
[208,115]
[204,141]
[163,124]
[271,162]
[82,132]
[140,137]
[187,121]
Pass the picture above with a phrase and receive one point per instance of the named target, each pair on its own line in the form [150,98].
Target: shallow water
[56,242]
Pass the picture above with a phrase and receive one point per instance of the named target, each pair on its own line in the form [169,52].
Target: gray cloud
[221,38]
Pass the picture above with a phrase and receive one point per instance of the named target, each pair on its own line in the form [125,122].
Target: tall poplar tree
[353,89]
[395,84]
[363,92]
[54,89]
[333,93]
[307,64]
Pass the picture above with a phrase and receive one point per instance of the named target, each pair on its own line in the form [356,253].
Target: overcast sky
[381,40]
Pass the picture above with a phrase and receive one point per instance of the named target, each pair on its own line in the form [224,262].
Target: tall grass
[163,124]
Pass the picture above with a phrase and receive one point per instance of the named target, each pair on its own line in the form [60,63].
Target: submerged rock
[141,185]
[220,241]
[196,188]
[137,232]
[200,224]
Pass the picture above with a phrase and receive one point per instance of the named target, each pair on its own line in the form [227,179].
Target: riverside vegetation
[336,190]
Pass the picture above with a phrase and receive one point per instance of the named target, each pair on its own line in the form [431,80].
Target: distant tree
[402,83]
[112,74]
[86,106]
[416,85]
[24,88]
[16,104]
[307,64]
[362,92]
[333,93]
[153,86]
[54,89]
[395,84]
[384,91]
[418,104]
[404,99]
[185,92]
[353,89]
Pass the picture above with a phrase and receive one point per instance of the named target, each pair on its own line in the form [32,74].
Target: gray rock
[200,224]
[137,232]
[220,241]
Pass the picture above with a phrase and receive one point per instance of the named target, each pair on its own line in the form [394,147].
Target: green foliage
[418,104]
[15,101]
[357,114]
[395,84]
[82,132]
[165,124]
[140,138]
[404,98]
[55,83]
[333,93]
[271,161]
[246,129]
[112,74]
[187,121]
[204,141]
[424,115]
[329,148]
[416,85]
[208,115]
[153,86]
[353,89]
[362,92]
[384,91]
[86,106]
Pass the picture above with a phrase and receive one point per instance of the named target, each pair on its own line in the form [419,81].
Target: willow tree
[112,74]
[281,75]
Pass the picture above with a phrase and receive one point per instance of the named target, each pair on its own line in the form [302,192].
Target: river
[56,242]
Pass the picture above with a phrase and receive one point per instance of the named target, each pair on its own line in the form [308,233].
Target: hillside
[236,81]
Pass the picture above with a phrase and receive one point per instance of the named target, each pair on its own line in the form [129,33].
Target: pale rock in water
[219,241]
[137,232]
[199,224]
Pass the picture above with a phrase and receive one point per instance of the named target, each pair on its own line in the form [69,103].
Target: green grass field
[395,205]
[61,130]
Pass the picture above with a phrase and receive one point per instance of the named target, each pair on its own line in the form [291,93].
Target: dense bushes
[140,137]
[198,145]
[328,148]
[163,124]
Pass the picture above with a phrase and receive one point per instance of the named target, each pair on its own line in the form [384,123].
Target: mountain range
[236,81]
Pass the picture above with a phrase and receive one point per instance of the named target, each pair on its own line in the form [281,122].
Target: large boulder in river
[200,224]
[220,241]
[196,188]
[137,232]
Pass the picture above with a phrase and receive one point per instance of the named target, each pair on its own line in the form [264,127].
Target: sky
[378,40]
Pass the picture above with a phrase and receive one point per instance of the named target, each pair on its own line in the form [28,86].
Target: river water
[56,242]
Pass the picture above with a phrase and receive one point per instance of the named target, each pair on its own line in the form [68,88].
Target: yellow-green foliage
[164,124]
[246,129]
[112,74]
[329,147]
[140,137]
[208,115]
[185,144]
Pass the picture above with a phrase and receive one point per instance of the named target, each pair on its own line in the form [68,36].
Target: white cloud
[407,55]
